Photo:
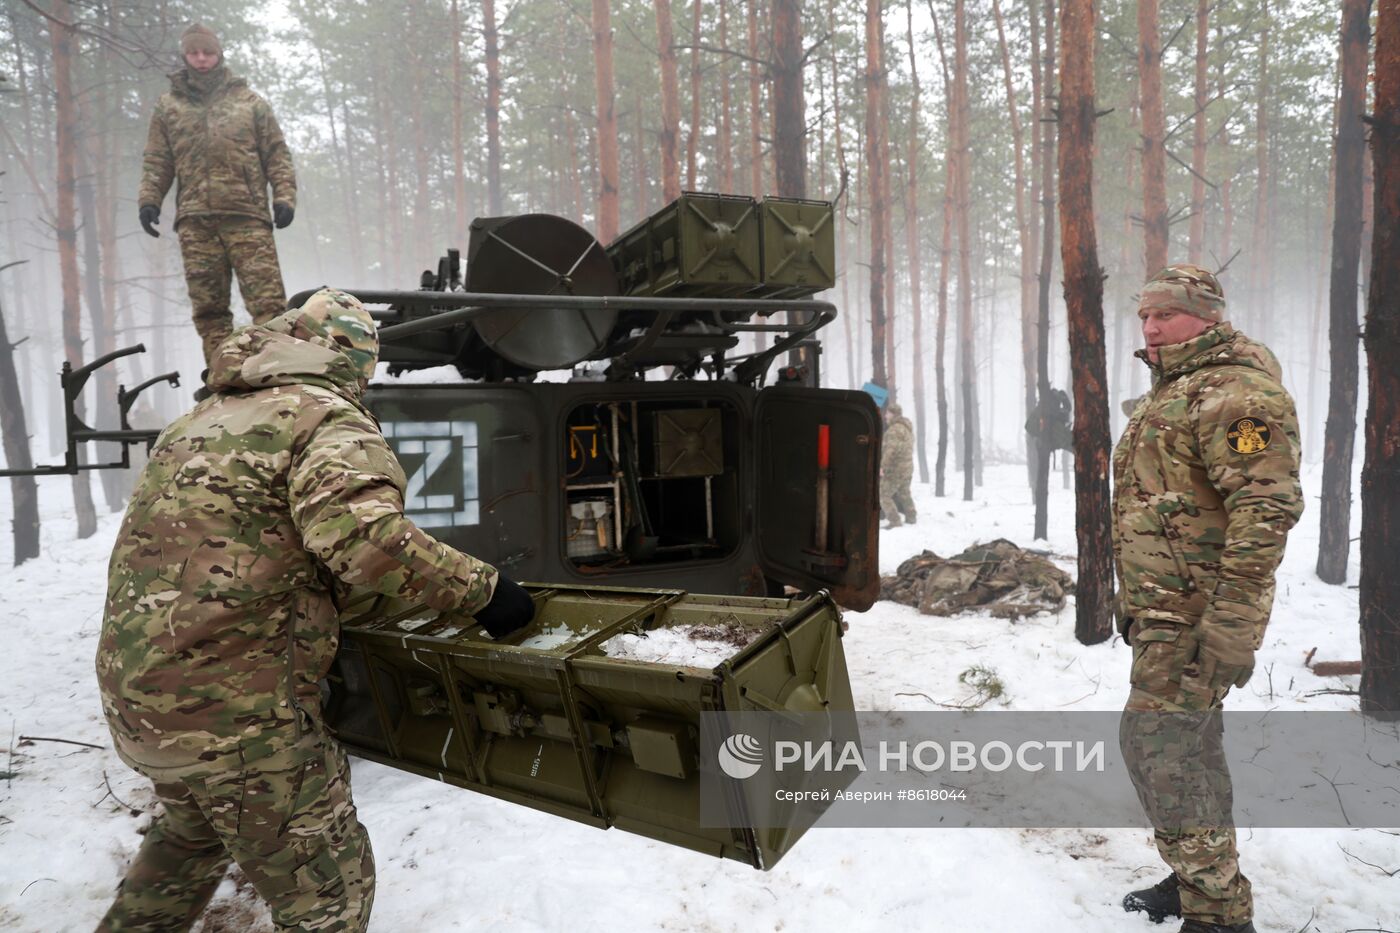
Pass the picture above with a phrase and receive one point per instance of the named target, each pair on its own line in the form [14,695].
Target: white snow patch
[450,859]
[670,646]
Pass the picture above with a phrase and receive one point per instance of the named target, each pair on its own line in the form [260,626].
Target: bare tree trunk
[945,249]
[66,223]
[755,110]
[670,103]
[1196,241]
[421,244]
[459,169]
[877,158]
[1047,253]
[964,206]
[1084,299]
[1023,225]
[1259,242]
[847,309]
[24,491]
[1380,478]
[495,204]
[607,123]
[692,146]
[1154,132]
[103,340]
[911,240]
[1334,542]
[789,103]
[726,108]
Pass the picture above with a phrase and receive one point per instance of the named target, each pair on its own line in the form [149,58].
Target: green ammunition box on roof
[699,245]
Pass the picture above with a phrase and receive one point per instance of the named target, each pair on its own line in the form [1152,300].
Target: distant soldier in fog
[897,468]
[220,141]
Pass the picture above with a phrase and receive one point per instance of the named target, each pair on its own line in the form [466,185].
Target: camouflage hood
[1221,345]
[330,341]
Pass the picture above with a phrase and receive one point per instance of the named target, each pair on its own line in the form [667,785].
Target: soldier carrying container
[221,142]
[1205,491]
[257,513]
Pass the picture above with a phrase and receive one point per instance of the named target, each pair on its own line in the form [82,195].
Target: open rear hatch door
[817,509]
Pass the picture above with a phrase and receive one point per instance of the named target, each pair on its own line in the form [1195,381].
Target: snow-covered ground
[71,817]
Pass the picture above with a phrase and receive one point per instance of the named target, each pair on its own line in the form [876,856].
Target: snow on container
[592,712]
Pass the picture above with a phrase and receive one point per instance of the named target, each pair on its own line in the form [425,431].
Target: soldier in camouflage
[1205,491]
[897,468]
[223,145]
[256,515]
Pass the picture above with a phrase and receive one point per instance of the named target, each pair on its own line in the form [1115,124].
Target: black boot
[1201,926]
[1160,901]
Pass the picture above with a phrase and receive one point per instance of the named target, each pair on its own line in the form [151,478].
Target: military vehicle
[663,466]
[663,461]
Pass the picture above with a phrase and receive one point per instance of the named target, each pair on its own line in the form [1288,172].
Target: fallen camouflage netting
[998,576]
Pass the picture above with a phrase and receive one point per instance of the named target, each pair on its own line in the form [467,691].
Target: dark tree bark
[1047,252]
[1380,478]
[945,250]
[789,103]
[608,220]
[1334,542]
[494,203]
[1154,133]
[24,491]
[877,158]
[1084,301]
[66,223]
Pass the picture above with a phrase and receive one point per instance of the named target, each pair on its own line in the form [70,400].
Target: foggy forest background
[407,120]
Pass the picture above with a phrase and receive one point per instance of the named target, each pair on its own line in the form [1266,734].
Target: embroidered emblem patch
[1248,435]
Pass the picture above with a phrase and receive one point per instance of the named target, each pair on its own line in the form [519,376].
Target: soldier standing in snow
[222,143]
[1205,491]
[897,468]
[256,512]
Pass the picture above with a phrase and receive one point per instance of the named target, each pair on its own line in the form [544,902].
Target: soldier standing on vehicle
[897,468]
[257,513]
[221,142]
[1205,491]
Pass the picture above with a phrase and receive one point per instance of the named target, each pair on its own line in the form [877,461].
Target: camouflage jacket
[254,509]
[222,143]
[1205,491]
[897,449]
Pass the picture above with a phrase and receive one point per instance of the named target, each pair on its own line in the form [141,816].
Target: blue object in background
[879,393]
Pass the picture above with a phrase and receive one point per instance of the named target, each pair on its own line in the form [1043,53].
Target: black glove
[282,215]
[509,610]
[150,215]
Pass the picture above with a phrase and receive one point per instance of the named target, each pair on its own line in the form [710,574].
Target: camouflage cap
[340,319]
[1188,288]
[200,36]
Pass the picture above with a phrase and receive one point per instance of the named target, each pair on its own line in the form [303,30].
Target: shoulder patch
[1248,435]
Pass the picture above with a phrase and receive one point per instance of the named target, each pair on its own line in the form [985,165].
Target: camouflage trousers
[895,498]
[1171,739]
[294,834]
[214,249]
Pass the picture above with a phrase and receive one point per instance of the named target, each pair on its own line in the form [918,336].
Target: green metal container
[699,245]
[589,713]
[799,247]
